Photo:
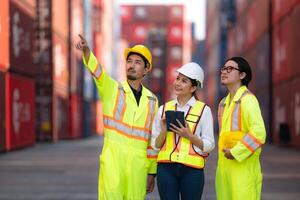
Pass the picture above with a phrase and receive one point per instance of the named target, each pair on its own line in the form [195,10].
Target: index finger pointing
[81,37]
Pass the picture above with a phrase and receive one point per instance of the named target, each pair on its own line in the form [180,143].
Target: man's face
[135,67]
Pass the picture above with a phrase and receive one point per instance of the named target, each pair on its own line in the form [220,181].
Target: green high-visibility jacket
[126,158]
[242,130]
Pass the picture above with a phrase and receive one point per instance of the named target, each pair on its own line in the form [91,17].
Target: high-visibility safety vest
[242,130]
[182,151]
[127,157]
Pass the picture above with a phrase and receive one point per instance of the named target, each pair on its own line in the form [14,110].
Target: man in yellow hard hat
[127,162]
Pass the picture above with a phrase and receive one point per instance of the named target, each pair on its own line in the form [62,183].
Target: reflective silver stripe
[121,103]
[151,152]
[151,112]
[235,117]
[98,72]
[251,142]
[125,129]
[221,110]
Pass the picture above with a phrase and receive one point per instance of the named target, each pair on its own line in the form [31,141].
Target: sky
[195,11]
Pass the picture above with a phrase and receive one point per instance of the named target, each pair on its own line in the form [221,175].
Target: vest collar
[237,95]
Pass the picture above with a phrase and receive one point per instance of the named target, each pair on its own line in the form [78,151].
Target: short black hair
[243,66]
[144,59]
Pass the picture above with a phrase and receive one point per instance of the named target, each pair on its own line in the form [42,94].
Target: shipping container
[140,31]
[75,117]
[175,33]
[75,57]
[241,7]
[20,111]
[231,42]
[281,8]
[262,66]
[176,13]
[241,35]
[126,13]
[60,65]
[281,117]
[251,57]
[21,38]
[60,18]
[295,113]
[4,34]
[175,53]
[281,44]
[263,96]
[262,17]
[295,34]
[60,110]
[2,112]
[89,116]
[251,23]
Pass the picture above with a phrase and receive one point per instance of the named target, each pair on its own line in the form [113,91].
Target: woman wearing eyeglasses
[241,135]
[183,149]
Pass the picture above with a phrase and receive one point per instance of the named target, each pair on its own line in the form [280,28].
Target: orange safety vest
[183,150]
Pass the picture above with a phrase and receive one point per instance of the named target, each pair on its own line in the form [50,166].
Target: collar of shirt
[191,102]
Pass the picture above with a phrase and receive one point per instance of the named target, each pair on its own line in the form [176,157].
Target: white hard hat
[193,71]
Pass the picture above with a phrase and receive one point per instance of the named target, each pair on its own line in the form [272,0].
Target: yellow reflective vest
[127,156]
[182,151]
[242,130]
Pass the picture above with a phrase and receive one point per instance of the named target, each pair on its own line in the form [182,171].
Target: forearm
[198,142]
[160,140]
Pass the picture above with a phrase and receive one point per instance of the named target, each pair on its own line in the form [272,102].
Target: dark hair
[244,66]
[194,83]
[144,59]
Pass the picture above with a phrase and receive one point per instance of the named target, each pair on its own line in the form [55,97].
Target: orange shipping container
[75,117]
[20,111]
[176,13]
[4,34]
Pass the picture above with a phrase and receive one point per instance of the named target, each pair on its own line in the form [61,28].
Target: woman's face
[230,74]
[183,85]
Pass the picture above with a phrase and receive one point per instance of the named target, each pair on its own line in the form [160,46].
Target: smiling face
[183,86]
[135,67]
[230,74]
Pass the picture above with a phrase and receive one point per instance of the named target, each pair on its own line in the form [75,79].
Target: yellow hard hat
[140,49]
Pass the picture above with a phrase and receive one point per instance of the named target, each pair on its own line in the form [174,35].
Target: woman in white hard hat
[182,149]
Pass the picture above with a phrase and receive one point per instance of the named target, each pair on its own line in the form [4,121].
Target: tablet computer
[171,117]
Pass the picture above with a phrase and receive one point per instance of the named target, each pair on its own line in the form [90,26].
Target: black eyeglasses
[229,69]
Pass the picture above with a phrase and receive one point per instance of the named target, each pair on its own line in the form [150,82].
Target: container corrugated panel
[281,102]
[20,111]
[43,38]
[241,6]
[4,34]
[88,116]
[75,117]
[176,13]
[262,17]
[21,38]
[60,120]
[212,32]
[126,13]
[295,32]
[263,97]
[2,111]
[158,14]
[281,8]
[282,51]
[241,35]
[76,70]
[295,112]
[231,45]
[44,125]
[60,65]
[175,53]
[140,31]
[251,57]
[213,11]
[60,18]
[262,71]
[251,24]
[175,33]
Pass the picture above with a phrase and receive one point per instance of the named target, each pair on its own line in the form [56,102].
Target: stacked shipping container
[166,31]
[17,104]
[267,35]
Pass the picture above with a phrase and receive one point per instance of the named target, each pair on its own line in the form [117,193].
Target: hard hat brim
[130,50]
